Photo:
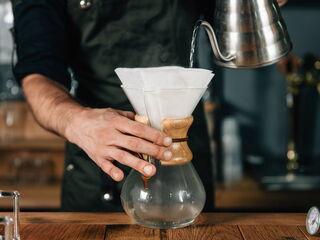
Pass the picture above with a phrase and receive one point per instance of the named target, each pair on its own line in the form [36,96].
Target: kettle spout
[214,44]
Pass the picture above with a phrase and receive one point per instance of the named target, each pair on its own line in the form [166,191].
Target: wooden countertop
[217,226]
[34,197]
[248,194]
[54,144]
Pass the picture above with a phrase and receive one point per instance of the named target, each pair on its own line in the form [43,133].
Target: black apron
[106,34]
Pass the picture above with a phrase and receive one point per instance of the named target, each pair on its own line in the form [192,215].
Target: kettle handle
[214,44]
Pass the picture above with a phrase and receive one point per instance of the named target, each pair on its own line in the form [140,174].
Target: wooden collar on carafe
[177,129]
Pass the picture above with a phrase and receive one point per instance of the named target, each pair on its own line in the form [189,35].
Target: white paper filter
[164,92]
[174,104]
[136,97]
[164,78]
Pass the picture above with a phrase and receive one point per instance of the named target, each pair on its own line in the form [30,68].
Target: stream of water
[193,43]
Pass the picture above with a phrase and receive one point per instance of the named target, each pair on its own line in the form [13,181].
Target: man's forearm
[51,104]
[104,134]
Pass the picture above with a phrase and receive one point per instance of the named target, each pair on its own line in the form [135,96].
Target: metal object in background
[295,81]
[8,233]
[7,221]
[38,171]
[25,169]
[9,89]
[313,221]
[247,33]
[232,168]
[12,120]
[300,74]
[6,22]
[85,4]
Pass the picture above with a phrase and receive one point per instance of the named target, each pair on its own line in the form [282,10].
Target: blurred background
[264,126]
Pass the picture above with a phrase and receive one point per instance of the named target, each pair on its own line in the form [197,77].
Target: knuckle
[158,153]
[137,164]
[121,155]
[130,113]
[111,112]
[108,170]
[114,118]
[98,162]
[98,152]
[134,143]
[111,140]
[101,136]
[138,129]
[158,138]
[111,115]
[105,167]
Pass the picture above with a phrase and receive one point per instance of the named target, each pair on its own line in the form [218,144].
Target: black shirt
[41,35]
[43,41]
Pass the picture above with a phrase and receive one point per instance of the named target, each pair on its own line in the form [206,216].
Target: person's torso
[125,33]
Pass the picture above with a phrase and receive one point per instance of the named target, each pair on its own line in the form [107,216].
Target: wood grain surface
[205,232]
[289,219]
[117,226]
[131,232]
[272,233]
[304,231]
[62,232]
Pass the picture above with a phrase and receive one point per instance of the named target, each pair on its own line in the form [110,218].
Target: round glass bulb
[172,198]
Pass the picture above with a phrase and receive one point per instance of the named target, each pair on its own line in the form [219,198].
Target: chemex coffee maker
[165,98]
[247,34]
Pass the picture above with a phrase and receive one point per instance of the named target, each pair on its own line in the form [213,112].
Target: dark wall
[257,97]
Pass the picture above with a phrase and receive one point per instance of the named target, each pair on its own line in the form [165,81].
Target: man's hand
[108,134]
[104,134]
[282,2]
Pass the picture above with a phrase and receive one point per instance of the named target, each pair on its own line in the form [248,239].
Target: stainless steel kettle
[248,33]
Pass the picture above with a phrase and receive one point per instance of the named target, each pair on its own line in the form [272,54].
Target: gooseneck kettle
[247,33]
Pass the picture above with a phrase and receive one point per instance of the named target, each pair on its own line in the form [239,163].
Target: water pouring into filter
[165,98]
[247,34]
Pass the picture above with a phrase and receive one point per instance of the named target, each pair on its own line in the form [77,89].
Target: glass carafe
[175,196]
[172,198]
